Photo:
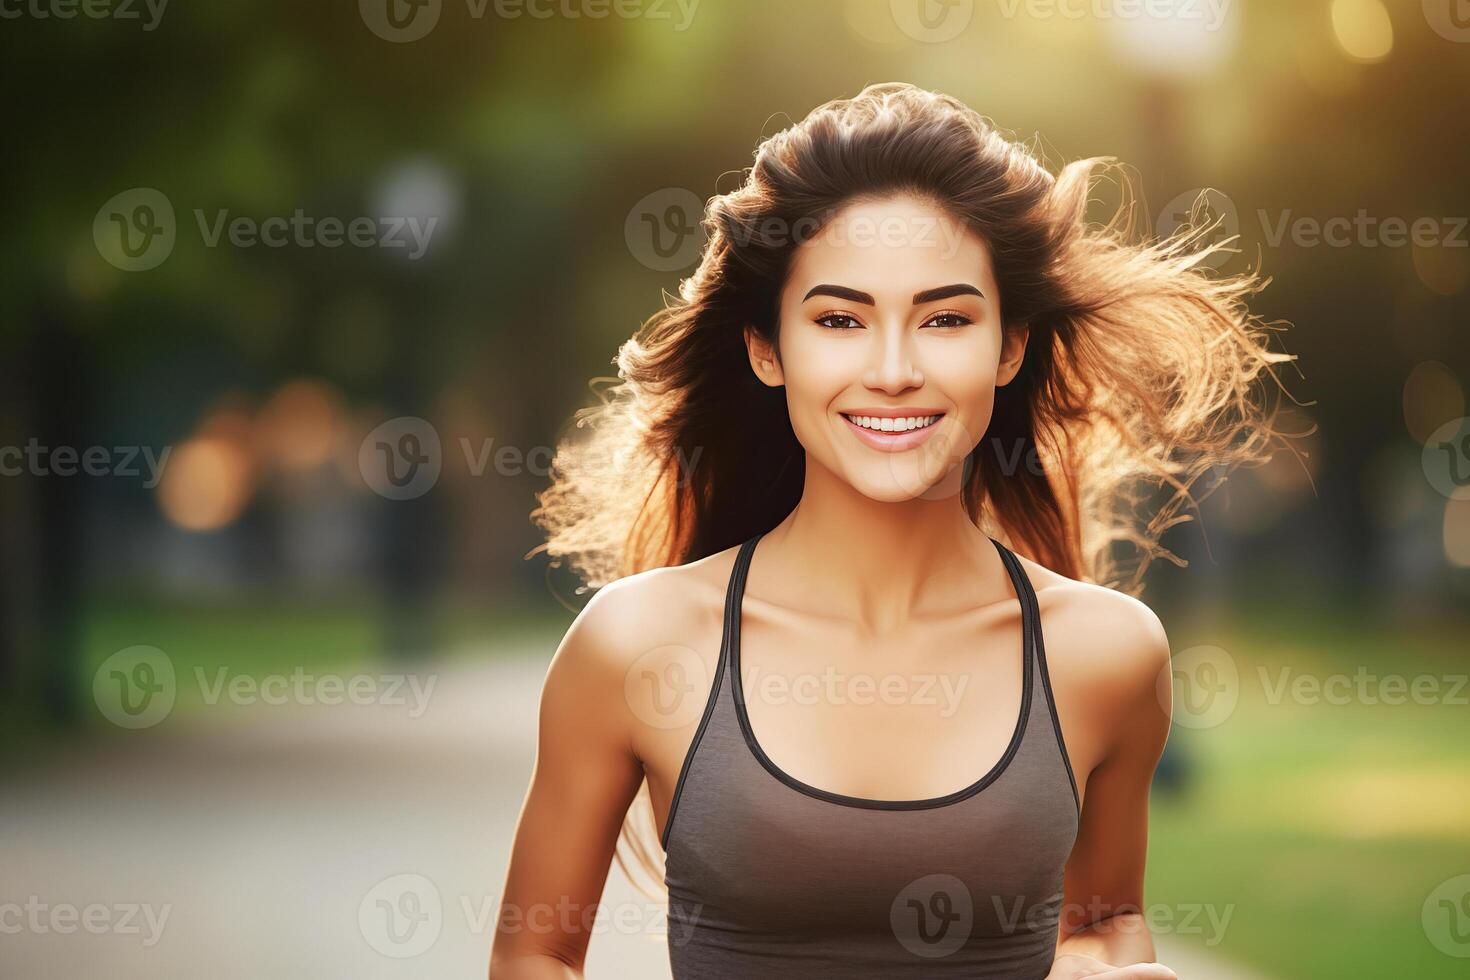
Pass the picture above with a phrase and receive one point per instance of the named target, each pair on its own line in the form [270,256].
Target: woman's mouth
[892,433]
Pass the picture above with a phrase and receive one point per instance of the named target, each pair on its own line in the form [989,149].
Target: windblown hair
[1141,374]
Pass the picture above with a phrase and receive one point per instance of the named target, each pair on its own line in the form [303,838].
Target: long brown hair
[1141,372]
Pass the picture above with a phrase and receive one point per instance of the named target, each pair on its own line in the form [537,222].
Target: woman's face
[891,347]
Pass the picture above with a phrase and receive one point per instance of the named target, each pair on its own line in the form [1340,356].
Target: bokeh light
[298,425]
[206,484]
[1174,38]
[1363,29]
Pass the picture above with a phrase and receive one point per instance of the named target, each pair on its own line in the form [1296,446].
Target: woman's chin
[899,481]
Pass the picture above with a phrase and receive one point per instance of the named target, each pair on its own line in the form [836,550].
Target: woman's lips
[891,442]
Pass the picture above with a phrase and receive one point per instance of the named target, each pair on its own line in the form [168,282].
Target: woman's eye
[843,321]
[947,320]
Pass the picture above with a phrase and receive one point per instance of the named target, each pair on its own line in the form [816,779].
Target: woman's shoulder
[661,612]
[663,594]
[1099,640]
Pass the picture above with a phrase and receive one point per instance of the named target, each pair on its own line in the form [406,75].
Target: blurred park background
[250,245]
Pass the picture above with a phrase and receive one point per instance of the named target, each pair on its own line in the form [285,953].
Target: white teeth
[893,425]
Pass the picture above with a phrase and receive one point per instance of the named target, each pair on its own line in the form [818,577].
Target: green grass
[1324,825]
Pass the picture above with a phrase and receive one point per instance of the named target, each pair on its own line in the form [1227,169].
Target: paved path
[309,842]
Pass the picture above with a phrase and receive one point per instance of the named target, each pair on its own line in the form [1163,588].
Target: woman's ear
[1012,353]
[763,360]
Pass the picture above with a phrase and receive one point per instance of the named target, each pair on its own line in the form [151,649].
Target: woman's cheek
[974,402]
[817,375]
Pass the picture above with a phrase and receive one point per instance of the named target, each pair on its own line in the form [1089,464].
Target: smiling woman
[899,336]
[918,448]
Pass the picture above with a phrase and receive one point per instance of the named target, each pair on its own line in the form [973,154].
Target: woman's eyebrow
[945,292]
[841,292]
[924,296]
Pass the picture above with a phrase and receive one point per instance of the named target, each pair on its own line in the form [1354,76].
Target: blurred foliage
[550,129]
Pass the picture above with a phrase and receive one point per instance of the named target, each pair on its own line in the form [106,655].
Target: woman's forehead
[892,248]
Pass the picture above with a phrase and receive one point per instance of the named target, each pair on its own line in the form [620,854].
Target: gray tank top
[769,877]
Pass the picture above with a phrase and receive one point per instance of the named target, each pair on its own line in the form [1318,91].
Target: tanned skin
[877,571]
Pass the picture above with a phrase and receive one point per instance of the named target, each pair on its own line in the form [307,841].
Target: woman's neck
[879,563]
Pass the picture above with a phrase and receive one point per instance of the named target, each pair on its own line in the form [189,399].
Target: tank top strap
[1036,644]
[721,698]
[734,600]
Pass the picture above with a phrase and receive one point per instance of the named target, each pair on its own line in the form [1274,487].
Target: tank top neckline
[730,656]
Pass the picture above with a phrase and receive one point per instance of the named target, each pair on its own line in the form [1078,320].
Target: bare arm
[1103,932]
[585,777]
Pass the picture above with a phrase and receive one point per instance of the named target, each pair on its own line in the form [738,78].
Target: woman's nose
[892,368]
